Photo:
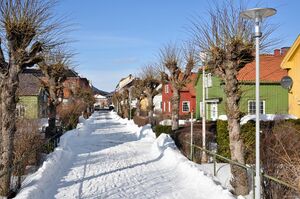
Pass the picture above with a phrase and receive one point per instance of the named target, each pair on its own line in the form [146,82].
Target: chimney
[284,50]
[276,52]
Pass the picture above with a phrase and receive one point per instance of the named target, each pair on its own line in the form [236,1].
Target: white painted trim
[189,105]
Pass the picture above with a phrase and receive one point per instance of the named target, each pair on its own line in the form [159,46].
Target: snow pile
[168,122]
[262,117]
[267,117]
[165,147]
[40,180]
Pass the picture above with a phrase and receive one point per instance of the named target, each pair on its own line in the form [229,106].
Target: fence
[216,156]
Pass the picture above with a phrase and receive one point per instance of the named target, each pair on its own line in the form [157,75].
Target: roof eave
[284,64]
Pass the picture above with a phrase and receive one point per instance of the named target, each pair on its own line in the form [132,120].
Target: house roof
[29,85]
[37,72]
[270,70]
[285,62]
[126,81]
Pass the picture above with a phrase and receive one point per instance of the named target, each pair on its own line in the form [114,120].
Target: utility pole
[204,157]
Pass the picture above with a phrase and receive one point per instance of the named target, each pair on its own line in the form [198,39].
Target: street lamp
[257,14]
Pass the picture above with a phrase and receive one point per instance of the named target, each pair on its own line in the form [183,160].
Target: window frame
[189,106]
[263,107]
[166,88]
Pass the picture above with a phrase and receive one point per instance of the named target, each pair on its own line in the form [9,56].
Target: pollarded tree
[125,103]
[227,41]
[26,29]
[116,99]
[150,82]
[54,67]
[172,60]
[138,94]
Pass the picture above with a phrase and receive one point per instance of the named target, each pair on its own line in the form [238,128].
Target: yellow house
[291,62]
[144,104]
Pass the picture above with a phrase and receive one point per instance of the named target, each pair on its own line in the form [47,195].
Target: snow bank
[267,117]
[262,117]
[165,147]
[168,122]
[38,182]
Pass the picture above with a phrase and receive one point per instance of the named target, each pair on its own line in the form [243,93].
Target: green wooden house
[274,98]
[32,97]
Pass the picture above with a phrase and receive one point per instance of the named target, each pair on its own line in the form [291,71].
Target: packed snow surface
[109,157]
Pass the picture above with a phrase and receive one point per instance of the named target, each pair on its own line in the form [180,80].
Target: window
[201,109]
[208,80]
[20,110]
[185,106]
[166,88]
[214,111]
[164,106]
[252,107]
[169,106]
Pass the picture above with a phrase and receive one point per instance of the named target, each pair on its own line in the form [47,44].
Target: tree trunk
[51,129]
[175,109]
[138,107]
[240,180]
[8,126]
[150,108]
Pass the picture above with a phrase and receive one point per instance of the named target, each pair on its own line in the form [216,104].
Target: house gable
[287,62]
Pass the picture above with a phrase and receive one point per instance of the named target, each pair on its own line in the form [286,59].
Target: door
[214,111]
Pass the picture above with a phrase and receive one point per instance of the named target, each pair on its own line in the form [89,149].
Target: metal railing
[247,167]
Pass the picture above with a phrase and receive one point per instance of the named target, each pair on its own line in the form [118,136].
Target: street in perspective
[149,99]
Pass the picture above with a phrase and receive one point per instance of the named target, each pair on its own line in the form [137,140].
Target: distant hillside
[100,92]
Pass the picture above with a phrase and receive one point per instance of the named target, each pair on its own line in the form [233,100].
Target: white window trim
[164,106]
[188,102]
[167,88]
[169,106]
[216,112]
[264,106]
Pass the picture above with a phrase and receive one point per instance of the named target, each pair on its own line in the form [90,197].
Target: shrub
[27,146]
[159,129]
[223,139]
[280,158]
[247,134]
[69,115]
[140,121]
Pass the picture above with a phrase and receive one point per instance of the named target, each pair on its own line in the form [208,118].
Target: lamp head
[258,13]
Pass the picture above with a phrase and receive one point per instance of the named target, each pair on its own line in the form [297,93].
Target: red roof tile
[270,70]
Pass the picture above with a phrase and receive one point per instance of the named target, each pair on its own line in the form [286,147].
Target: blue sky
[114,38]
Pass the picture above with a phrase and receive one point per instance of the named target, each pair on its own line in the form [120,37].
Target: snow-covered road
[108,157]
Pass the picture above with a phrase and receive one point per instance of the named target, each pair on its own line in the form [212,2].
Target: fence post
[215,164]
[253,182]
[191,152]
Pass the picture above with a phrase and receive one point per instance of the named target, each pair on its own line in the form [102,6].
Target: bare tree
[227,42]
[116,99]
[172,59]
[150,82]
[138,94]
[125,103]
[26,27]
[54,67]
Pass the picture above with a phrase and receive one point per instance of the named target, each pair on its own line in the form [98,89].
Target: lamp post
[257,14]
[204,82]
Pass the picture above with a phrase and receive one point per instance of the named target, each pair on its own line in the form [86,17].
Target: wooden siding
[275,97]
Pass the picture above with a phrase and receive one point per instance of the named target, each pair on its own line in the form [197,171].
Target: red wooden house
[187,98]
